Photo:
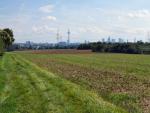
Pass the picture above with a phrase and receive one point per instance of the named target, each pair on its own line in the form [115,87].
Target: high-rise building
[103,40]
[120,40]
[109,39]
[113,41]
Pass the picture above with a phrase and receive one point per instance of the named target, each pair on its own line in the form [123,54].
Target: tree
[131,48]
[10,38]
[6,39]
[1,46]
[7,36]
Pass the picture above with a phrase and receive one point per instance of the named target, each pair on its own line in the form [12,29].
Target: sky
[91,20]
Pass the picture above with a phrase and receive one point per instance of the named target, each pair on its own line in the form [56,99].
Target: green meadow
[27,88]
[74,83]
[121,79]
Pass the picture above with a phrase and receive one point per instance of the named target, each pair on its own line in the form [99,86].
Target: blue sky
[39,20]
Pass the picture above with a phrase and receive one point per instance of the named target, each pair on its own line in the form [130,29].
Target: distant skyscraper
[113,41]
[120,40]
[109,39]
[127,40]
[103,40]
[135,40]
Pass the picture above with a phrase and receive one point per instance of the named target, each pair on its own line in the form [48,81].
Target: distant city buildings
[65,44]
[120,40]
[103,40]
[109,40]
[112,40]
[59,44]
[37,46]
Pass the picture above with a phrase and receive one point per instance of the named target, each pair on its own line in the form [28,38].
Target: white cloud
[122,23]
[94,30]
[47,8]
[50,18]
[139,14]
[43,29]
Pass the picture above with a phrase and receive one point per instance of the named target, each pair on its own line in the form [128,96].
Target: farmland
[27,88]
[120,79]
[71,81]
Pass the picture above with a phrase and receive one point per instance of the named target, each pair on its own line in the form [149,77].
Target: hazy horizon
[38,21]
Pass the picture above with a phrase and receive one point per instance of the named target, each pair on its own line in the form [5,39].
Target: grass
[26,88]
[121,79]
[129,64]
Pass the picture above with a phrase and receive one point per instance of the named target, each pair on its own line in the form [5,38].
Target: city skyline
[38,21]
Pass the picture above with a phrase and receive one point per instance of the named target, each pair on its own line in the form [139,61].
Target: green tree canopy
[7,36]
[1,46]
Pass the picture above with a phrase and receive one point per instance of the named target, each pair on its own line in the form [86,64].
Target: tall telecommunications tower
[68,41]
[57,36]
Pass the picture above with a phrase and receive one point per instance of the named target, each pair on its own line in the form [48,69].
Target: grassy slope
[26,88]
[119,78]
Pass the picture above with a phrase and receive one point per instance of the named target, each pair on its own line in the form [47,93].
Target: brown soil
[103,82]
[61,51]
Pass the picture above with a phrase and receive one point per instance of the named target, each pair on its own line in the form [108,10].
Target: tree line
[6,39]
[131,48]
